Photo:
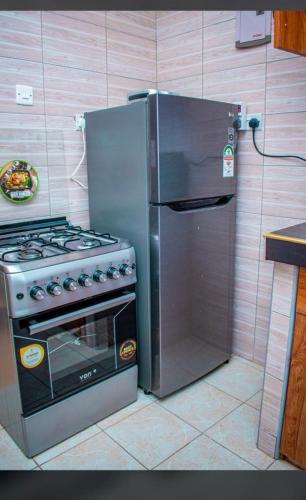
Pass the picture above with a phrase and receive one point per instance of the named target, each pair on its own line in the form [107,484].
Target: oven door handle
[52,323]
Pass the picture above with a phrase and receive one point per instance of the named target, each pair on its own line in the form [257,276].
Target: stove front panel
[35,291]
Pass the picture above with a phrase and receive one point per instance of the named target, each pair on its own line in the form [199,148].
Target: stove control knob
[70,284]
[85,280]
[54,288]
[125,269]
[37,293]
[99,276]
[113,273]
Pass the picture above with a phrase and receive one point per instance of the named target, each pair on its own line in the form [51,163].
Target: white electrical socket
[254,115]
[79,121]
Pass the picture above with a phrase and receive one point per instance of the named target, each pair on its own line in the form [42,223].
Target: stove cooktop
[46,242]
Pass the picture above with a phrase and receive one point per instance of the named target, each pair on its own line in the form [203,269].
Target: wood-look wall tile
[72,43]
[180,56]
[20,71]
[64,143]
[277,347]
[271,403]
[67,196]
[135,22]
[249,187]
[244,84]
[69,91]
[89,16]
[23,137]
[283,283]
[243,328]
[220,52]
[190,86]
[131,56]
[80,219]
[284,135]
[21,34]
[175,22]
[217,16]
[246,279]
[284,191]
[248,235]
[261,335]
[286,86]
[118,88]
[263,309]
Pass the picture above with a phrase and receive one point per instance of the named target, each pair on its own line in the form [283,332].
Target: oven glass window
[59,360]
[80,351]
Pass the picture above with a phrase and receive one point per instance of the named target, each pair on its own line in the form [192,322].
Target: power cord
[72,177]
[254,124]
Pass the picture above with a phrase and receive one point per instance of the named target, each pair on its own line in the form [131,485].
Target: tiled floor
[210,425]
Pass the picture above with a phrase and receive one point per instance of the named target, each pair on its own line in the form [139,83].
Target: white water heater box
[253,27]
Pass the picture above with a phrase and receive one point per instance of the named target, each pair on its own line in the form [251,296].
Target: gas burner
[87,243]
[29,254]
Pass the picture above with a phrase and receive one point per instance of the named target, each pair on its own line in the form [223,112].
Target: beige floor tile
[11,457]
[142,401]
[204,454]
[255,401]
[238,433]
[152,434]
[66,445]
[238,378]
[282,465]
[97,453]
[200,405]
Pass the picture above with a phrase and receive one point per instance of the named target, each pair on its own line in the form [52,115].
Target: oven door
[58,355]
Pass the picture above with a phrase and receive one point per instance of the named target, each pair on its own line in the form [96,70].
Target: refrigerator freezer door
[186,153]
[192,260]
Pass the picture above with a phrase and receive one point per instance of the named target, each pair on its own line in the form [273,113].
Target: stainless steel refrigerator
[162,173]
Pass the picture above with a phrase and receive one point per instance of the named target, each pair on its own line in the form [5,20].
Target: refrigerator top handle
[192,148]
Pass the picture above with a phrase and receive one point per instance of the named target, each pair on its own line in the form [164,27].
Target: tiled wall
[76,61]
[278,357]
[196,56]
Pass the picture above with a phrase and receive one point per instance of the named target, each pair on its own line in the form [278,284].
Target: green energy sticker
[228,161]
[18,181]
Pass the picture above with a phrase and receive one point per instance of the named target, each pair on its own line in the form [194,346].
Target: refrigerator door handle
[184,206]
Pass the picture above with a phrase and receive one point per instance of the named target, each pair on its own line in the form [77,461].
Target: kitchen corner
[281,427]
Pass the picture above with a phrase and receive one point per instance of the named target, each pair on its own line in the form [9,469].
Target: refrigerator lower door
[192,263]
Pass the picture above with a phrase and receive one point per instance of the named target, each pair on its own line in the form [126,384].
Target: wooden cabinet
[290,31]
[293,440]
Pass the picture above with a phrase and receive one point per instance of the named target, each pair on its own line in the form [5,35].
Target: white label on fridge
[228,161]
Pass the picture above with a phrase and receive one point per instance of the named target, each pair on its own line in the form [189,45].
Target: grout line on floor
[126,451]
[233,452]
[70,448]
[176,451]
[124,418]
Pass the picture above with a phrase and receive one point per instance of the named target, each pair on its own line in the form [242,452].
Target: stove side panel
[10,402]
[117,159]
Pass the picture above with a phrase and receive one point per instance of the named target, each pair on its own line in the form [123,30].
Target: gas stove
[68,334]
[50,263]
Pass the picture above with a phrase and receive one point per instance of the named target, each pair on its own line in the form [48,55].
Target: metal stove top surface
[43,243]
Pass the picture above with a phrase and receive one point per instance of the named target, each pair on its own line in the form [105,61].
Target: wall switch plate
[254,115]
[24,95]
[79,121]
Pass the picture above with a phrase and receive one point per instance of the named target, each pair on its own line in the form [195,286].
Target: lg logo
[87,375]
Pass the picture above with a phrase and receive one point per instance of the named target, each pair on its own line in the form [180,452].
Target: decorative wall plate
[18,181]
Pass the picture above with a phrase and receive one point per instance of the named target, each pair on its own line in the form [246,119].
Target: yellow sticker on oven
[32,355]
[127,349]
